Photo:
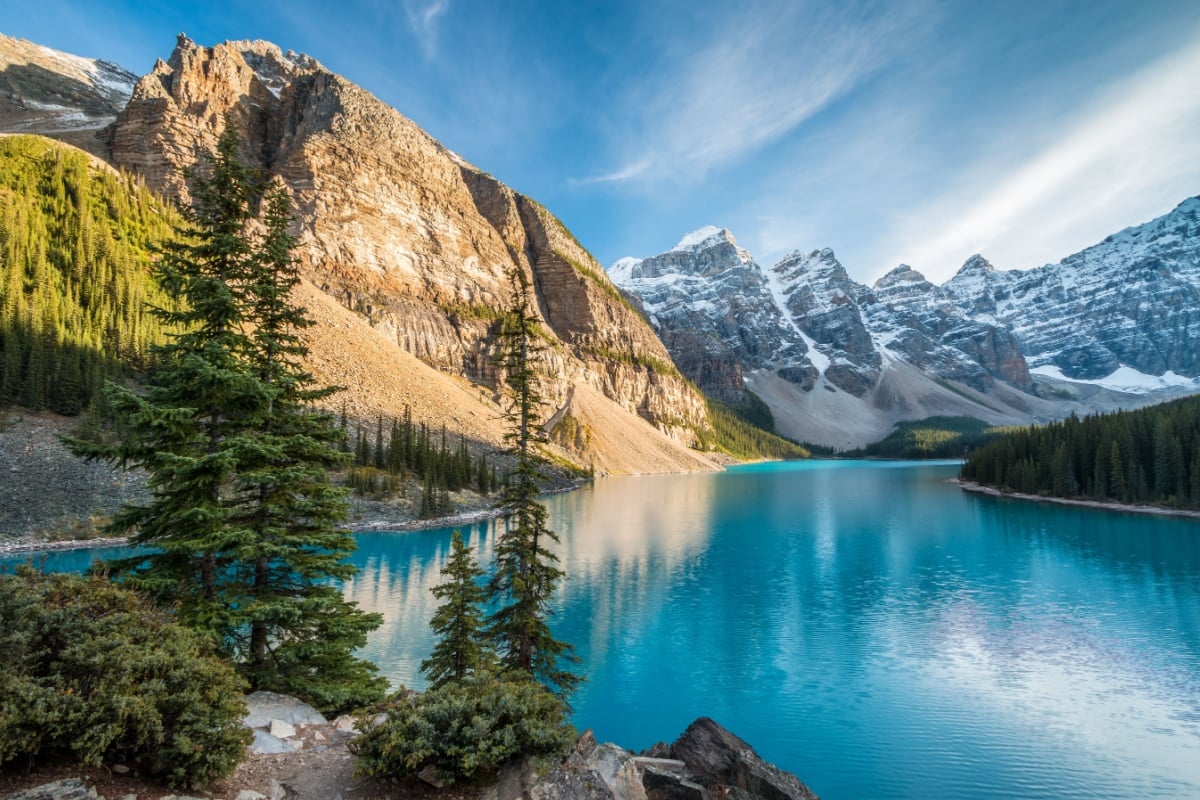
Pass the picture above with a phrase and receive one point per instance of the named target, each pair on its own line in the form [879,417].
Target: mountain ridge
[860,358]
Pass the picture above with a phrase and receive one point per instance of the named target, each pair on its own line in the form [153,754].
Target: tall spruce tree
[462,647]
[526,571]
[242,517]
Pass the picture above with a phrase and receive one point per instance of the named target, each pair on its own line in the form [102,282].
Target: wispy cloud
[1125,158]
[423,19]
[620,175]
[756,75]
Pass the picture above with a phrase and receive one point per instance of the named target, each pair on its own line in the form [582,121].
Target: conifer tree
[526,572]
[242,518]
[462,647]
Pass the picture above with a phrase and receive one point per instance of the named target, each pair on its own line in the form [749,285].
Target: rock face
[839,362]
[397,227]
[1132,300]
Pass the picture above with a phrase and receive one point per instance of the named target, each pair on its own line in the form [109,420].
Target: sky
[902,131]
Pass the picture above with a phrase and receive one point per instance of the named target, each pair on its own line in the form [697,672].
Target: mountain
[711,305]
[415,246]
[56,94]
[840,363]
[1131,301]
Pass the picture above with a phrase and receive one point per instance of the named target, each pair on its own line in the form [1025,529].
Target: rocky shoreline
[990,491]
[299,755]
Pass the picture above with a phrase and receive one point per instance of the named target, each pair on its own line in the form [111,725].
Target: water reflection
[867,626]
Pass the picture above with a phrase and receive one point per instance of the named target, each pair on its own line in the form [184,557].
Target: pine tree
[242,518]
[458,622]
[526,572]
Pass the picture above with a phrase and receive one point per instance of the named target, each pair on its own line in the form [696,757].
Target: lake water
[865,625]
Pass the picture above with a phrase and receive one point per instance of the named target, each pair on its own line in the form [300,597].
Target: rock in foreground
[706,763]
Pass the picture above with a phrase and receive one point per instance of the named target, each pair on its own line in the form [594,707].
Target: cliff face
[1132,300]
[399,229]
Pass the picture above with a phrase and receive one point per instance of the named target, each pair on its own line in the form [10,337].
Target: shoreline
[369,526]
[1102,505]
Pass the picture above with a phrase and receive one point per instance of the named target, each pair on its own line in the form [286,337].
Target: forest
[75,289]
[1147,456]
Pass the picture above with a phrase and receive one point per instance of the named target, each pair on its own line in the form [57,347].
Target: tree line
[383,461]
[76,245]
[1149,455]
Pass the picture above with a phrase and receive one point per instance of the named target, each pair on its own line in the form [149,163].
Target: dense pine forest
[1151,455]
[75,287]
[747,431]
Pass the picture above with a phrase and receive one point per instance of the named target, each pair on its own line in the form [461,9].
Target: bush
[465,729]
[92,671]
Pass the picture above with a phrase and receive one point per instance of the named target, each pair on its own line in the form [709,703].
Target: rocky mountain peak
[274,67]
[400,230]
[819,270]
[705,237]
[975,265]
[903,275]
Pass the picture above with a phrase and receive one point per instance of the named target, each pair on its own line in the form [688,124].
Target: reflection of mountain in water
[625,542]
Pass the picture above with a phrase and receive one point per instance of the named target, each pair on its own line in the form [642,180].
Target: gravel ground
[48,494]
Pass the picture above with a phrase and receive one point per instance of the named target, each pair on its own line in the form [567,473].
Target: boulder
[720,761]
[66,789]
[619,770]
[264,707]
[345,724]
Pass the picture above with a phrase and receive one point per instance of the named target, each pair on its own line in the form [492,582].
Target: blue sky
[912,131]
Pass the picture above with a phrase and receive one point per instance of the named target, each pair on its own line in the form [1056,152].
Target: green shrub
[92,671]
[466,729]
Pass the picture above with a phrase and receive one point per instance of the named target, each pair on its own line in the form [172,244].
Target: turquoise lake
[865,625]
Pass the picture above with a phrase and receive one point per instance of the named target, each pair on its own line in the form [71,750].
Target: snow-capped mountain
[1132,300]
[713,308]
[839,362]
[54,93]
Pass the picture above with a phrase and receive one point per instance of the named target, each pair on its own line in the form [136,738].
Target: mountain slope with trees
[76,243]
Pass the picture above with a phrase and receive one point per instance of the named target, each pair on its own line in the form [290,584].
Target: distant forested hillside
[747,432]
[75,248]
[1151,455]
[932,437]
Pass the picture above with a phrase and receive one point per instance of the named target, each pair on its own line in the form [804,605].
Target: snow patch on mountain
[699,237]
[1125,379]
[621,271]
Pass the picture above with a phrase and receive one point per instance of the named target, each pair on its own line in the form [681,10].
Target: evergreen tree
[526,572]
[458,622]
[242,518]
